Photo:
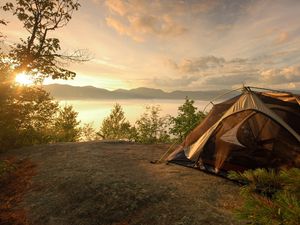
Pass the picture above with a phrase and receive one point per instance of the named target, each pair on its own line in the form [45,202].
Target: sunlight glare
[23,79]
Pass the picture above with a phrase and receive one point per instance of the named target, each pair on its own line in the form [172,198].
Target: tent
[251,130]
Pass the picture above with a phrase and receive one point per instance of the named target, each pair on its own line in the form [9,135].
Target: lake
[94,111]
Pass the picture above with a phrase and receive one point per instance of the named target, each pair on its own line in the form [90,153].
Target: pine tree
[270,197]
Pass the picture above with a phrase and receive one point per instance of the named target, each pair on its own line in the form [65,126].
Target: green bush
[28,114]
[66,126]
[270,197]
[187,119]
[151,128]
[88,133]
[115,126]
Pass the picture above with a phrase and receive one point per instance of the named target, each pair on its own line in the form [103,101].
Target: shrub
[66,125]
[270,197]
[115,126]
[88,133]
[187,119]
[150,127]
[26,117]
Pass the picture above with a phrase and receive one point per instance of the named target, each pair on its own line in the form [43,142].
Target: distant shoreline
[96,110]
[68,92]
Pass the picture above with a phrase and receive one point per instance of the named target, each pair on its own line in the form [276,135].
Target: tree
[187,119]
[26,117]
[27,113]
[37,110]
[151,128]
[66,125]
[2,22]
[88,133]
[115,126]
[39,55]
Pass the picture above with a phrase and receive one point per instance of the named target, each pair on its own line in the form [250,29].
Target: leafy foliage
[39,55]
[115,126]
[270,197]
[187,119]
[151,128]
[66,125]
[26,118]
[2,22]
[88,133]
[28,115]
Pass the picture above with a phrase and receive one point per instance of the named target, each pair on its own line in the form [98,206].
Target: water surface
[94,111]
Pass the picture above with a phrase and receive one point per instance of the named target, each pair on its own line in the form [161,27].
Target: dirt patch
[13,185]
[97,183]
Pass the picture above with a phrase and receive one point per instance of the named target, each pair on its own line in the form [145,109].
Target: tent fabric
[246,132]
[287,97]
[231,135]
[213,116]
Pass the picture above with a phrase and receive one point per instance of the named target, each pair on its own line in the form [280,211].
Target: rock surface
[115,183]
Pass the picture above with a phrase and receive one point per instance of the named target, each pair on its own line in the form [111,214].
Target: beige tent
[251,130]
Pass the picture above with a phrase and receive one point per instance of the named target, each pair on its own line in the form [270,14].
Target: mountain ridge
[64,91]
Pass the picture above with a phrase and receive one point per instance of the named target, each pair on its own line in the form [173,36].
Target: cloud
[284,75]
[282,38]
[119,6]
[204,6]
[217,72]
[119,27]
[106,62]
[149,24]
[197,65]
[139,19]
[183,81]
[210,72]
[231,80]
[139,26]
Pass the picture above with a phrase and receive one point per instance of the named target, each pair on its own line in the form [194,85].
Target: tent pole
[163,156]
[268,89]
[219,96]
[243,88]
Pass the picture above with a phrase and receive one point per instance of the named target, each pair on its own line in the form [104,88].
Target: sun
[23,79]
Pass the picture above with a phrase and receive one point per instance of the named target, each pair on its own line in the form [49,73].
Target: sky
[182,44]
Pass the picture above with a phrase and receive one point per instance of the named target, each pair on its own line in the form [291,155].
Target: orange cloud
[197,65]
[118,6]
[282,38]
[139,19]
[282,75]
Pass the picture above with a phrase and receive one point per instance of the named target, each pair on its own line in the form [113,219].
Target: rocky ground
[96,183]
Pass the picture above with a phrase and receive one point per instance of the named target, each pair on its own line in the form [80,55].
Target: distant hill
[60,91]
